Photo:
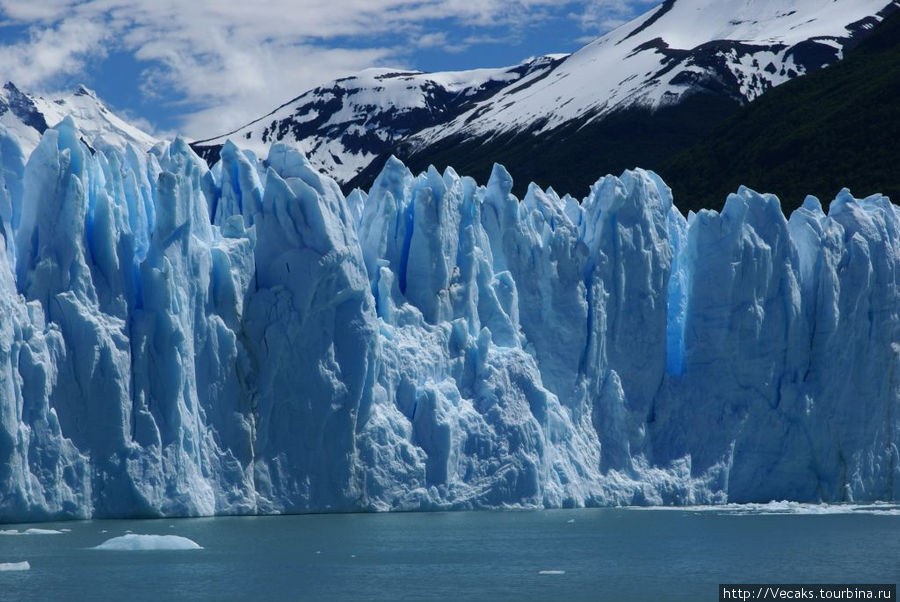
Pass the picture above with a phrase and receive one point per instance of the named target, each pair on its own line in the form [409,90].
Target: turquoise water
[593,554]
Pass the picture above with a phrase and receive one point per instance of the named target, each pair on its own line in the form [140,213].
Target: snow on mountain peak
[28,116]
[344,125]
[741,48]
[732,48]
[83,90]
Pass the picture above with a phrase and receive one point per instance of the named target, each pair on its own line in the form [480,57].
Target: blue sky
[204,67]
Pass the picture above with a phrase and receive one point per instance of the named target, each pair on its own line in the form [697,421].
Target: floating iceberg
[15,566]
[182,341]
[133,541]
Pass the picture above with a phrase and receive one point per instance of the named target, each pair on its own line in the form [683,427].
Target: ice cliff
[178,340]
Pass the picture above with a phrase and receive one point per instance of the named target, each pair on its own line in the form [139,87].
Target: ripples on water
[593,554]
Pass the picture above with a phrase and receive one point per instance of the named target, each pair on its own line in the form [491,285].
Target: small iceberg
[31,532]
[134,541]
[551,572]
[15,566]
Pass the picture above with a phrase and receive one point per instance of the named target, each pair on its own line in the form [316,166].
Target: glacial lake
[589,554]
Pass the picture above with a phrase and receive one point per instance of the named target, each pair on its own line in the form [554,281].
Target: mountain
[28,116]
[342,127]
[645,91]
[180,340]
[635,96]
[737,48]
[834,128]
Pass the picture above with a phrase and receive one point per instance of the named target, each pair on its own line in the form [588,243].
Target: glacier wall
[178,340]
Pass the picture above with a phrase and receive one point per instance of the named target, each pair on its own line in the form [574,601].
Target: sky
[203,67]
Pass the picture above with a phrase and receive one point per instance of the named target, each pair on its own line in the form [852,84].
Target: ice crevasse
[177,340]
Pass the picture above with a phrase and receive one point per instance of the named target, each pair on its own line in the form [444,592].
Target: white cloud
[432,40]
[599,16]
[28,10]
[238,60]
[48,53]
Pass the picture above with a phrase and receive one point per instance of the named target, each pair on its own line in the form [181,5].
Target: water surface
[592,554]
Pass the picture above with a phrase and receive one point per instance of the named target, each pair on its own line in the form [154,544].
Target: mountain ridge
[732,52]
[341,126]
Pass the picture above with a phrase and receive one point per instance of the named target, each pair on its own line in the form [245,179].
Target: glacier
[178,340]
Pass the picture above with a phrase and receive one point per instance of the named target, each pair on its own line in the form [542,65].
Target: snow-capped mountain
[813,135]
[729,49]
[343,126]
[28,116]
[738,48]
